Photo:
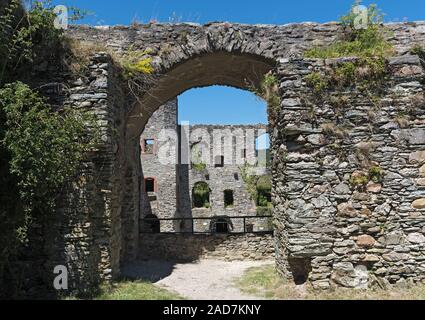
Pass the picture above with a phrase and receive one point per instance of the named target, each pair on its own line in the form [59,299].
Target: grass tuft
[265,282]
[134,290]
[137,290]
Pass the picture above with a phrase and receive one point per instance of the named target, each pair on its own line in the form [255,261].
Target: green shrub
[376,174]
[317,81]
[201,195]
[137,62]
[46,147]
[419,50]
[30,40]
[40,148]
[367,42]
[367,71]
[359,182]
[269,92]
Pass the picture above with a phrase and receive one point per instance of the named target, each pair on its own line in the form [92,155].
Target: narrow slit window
[243,154]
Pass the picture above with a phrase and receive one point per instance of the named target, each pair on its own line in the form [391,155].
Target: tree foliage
[45,146]
[40,148]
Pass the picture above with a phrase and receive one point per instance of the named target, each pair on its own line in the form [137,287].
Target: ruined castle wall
[326,230]
[163,201]
[172,197]
[187,248]
[87,233]
[212,142]
[350,236]
[271,41]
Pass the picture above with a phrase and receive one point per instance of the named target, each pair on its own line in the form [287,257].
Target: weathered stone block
[347,210]
[418,238]
[411,136]
[365,241]
[419,204]
[417,157]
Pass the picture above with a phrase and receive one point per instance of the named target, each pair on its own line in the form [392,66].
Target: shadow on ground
[151,270]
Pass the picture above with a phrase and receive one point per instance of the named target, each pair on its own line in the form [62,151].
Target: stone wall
[88,231]
[213,141]
[327,231]
[102,224]
[344,235]
[163,201]
[178,247]
[173,182]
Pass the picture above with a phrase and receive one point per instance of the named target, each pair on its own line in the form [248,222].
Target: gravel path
[203,280]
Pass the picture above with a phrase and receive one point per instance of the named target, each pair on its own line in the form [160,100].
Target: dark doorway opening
[229,199]
[301,268]
[221,226]
[149,185]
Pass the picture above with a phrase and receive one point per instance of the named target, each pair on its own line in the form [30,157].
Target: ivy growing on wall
[40,148]
[259,187]
[45,146]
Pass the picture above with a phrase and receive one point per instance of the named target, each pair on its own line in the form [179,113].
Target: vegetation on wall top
[366,41]
[368,44]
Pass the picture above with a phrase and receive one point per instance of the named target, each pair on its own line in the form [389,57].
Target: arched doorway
[244,71]
[201,195]
[216,67]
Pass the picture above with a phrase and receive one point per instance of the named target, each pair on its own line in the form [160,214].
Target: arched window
[201,195]
[152,223]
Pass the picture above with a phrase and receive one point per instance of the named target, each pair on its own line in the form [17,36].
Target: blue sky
[243,11]
[221,105]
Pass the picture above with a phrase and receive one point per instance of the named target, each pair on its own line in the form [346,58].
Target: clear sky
[243,11]
[220,105]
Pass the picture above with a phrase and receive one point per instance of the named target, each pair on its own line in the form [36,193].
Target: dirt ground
[203,280]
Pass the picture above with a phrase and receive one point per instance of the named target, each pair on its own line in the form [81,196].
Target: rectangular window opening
[229,200]
[148,146]
[219,162]
[150,185]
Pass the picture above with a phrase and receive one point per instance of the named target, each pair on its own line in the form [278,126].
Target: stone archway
[243,71]
[216,67]
[326,231]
